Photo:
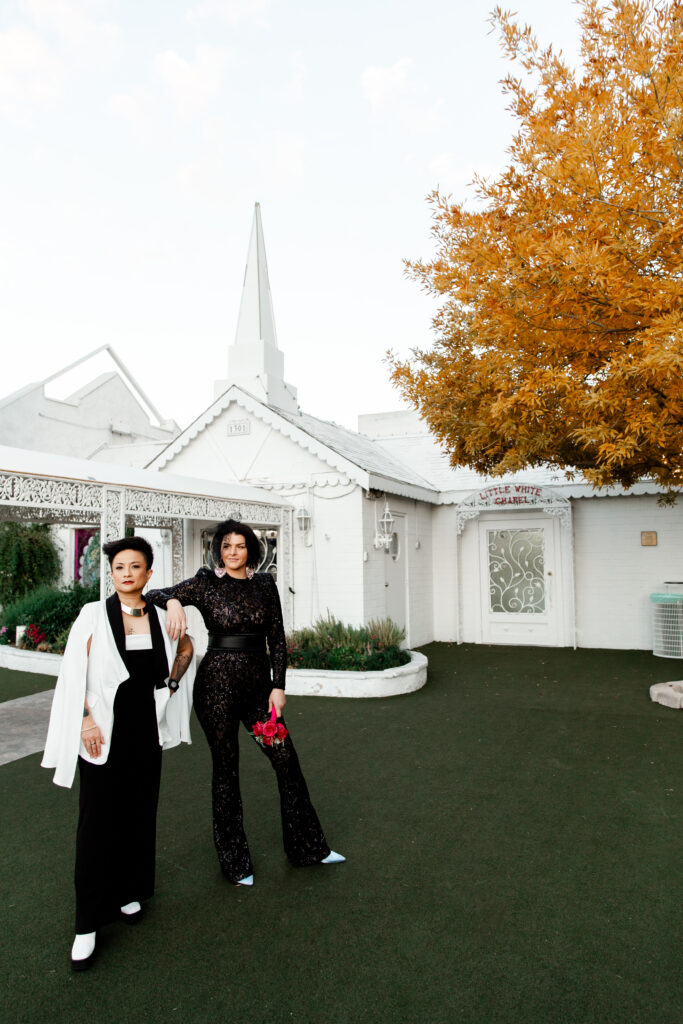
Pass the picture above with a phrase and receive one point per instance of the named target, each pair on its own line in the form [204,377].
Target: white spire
[254,360]
[256,321]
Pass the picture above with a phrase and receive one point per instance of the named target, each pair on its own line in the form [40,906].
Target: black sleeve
[277,643]
[188,592]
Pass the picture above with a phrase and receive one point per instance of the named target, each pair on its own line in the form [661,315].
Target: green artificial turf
[513,834]
[15,684]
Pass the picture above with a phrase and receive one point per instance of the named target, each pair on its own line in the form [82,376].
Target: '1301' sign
[239,427]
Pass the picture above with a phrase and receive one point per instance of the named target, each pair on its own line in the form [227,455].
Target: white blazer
[98,677]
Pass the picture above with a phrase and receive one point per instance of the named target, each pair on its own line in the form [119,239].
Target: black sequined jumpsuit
[233,687]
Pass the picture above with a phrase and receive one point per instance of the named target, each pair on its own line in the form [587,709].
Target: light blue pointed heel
[333,858]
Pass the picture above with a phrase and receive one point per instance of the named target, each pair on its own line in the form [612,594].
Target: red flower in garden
[34,635]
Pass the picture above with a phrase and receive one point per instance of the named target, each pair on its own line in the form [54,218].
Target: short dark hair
[232,526]
[114,547]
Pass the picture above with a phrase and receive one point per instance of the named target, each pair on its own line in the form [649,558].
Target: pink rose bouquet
[270,733]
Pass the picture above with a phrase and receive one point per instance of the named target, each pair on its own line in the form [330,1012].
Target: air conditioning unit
[667,620]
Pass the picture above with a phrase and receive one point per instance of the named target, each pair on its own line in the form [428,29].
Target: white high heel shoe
[247,880]
[83,951]
[333,858]
[132,912]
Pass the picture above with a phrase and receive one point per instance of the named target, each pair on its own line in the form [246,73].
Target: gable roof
[363,460]
[365,453]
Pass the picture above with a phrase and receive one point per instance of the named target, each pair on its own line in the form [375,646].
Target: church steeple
[256,319]
[254,360]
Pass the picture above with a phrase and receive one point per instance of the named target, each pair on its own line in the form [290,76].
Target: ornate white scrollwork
[178,550]
[463,516]
[28,498]
[35,491]
[190,506]
[114,524]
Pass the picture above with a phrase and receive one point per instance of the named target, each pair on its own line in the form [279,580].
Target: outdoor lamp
[387,522]
[303,518]
[385,528]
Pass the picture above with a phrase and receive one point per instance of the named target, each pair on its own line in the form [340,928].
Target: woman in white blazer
[118,701]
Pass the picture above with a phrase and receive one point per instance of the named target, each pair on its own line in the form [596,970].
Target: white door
[521,589]
[395,574]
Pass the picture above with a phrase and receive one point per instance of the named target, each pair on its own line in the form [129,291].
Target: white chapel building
[384,526]
[379,523]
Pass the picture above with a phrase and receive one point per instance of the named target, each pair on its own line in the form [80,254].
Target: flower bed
[331,646]
[48,614]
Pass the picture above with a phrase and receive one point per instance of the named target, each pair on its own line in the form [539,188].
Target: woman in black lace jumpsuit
[241,611]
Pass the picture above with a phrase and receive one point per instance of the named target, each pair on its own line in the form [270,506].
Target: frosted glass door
[518,580]
[516,571]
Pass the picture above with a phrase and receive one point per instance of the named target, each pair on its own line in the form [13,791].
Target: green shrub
[28,559]
[329,644]
[53,610]
[386,632]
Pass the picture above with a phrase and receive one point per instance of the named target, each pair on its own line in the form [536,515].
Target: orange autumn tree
[560,337]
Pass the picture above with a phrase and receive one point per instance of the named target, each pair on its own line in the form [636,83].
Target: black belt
[255,643]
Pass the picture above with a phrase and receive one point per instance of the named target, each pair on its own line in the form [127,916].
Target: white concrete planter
[310,682]
[300,682]
[30,661]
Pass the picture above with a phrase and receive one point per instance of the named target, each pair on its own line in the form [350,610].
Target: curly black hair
[114,547]
[233,526]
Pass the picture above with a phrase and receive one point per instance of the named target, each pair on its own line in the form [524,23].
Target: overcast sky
[137,136]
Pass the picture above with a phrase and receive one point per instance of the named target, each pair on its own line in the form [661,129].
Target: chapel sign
[510,494]
[513,496]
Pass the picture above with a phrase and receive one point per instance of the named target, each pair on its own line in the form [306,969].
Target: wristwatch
[173,685]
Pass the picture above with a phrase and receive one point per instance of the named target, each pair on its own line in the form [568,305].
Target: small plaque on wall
[238,427]
[648,539]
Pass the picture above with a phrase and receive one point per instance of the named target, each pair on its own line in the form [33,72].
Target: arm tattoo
[180,665]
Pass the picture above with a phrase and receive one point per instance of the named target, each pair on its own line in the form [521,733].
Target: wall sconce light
[303,518]
[385,528]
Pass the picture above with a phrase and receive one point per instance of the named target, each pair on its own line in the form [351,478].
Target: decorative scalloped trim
[272,419]
[566,491]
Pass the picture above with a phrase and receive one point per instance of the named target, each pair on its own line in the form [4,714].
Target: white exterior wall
[615,575]
[469,617]
[328,573]
[415,563]
[420,574]
[327,558]
[444,571]
[374,602]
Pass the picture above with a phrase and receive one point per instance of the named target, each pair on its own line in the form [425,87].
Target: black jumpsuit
[116,838]
[233,687]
